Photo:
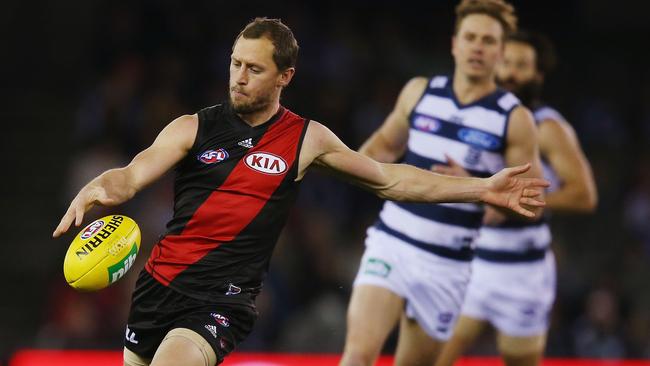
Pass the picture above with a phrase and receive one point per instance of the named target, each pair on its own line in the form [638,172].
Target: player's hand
[88,197]
[453,168]
[506,189]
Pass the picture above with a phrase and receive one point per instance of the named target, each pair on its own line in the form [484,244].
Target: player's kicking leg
[184,346]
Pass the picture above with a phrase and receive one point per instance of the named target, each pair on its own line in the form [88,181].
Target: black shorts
[157,309]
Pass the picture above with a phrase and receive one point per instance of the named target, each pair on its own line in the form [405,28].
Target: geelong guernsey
[474,135]
[233,192]
[520,241]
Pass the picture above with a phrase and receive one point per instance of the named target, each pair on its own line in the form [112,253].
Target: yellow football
[102,253]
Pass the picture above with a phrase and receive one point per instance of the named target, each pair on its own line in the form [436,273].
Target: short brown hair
[286,47]
[500,10]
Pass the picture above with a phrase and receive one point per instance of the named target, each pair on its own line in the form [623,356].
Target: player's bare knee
[184,346]
[177,349]
[133,359]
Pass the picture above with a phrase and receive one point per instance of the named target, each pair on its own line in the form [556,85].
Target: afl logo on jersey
[426,124]
[213,156]
[92,229]
[266,163]
[479,139]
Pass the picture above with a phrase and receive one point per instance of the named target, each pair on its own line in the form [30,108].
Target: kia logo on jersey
[266,163]
[213,156]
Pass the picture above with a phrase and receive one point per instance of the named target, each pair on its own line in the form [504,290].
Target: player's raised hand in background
[453,168]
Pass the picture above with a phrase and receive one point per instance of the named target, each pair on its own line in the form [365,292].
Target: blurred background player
[238,168]
[513,275]
[416,264]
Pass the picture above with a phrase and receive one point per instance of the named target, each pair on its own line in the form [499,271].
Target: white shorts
[516,298]
[432,286]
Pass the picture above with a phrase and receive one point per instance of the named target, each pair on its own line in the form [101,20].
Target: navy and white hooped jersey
[475,136]
[521,241]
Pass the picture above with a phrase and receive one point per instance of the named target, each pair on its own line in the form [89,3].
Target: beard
[529,92]
[251,106]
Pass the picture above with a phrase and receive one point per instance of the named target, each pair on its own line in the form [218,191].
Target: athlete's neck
[469,90]
[259,117]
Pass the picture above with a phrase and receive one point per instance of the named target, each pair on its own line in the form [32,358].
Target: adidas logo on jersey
[248,143]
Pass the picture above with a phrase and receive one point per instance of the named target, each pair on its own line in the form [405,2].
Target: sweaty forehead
[520,50]
[482,25]
[256,51]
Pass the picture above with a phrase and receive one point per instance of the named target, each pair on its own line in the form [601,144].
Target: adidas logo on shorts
[212,329]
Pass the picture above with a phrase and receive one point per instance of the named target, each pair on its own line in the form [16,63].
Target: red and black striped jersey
[233,192]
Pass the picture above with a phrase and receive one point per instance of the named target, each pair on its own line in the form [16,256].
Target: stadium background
[87,84]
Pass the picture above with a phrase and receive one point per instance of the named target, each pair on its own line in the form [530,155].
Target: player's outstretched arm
[577,192]
[116,186]
[400,182]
